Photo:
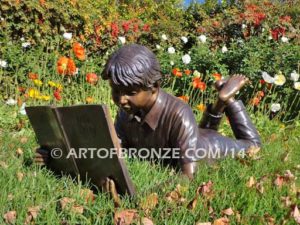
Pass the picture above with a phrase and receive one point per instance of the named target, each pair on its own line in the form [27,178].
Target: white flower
[2,19]
[186,59]
[171,50]
[270,37]
[224,49]
[22,39]
[122,40]
[244,26]
[67,36]
[202,38]
[171,63]
[284,39]
[267,78]
[22,109]
[164,37]
[11,101]
[275,107]
[184,39]
[26,44]
[196,73]
[294,76]
[279,79]
[158,46]
[3,63]
[297,86]
[263,30]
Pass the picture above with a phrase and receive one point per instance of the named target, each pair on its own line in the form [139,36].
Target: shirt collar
[152,117]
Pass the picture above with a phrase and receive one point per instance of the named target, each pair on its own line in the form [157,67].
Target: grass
[39,187]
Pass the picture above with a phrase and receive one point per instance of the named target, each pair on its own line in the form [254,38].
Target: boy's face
[132,99]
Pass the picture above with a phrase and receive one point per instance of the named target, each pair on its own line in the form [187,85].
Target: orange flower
[197,83]
[187,72]
[42,2]
[202,86]
[184,98]
[66,66]
[33,76]
[255,101]
[176,72]
[260,94]
[217,76]
[201,107]
[57,95]
[91,78]
[79,51]
[89,100]
[22,89]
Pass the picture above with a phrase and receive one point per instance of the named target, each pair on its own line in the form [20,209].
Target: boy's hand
[110,187]
[41,157]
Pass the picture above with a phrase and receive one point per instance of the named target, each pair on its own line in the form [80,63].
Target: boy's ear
[154,89]
[156,84]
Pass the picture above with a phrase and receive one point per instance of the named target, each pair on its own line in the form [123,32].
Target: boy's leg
[239,119]
[227,89]
[241,123]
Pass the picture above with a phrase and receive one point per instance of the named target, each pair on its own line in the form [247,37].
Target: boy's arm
[210,120]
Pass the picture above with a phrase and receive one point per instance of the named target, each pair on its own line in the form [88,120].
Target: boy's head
[134,73]
[133,65]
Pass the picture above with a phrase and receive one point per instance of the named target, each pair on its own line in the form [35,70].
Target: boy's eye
[131,93]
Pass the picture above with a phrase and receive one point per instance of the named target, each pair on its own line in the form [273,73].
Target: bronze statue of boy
[150,118]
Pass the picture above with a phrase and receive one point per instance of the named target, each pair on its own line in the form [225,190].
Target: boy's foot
[220,83]
[232,86]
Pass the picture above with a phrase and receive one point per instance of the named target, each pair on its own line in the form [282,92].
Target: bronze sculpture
[150,118]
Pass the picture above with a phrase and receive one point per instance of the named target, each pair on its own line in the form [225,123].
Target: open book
[82,141]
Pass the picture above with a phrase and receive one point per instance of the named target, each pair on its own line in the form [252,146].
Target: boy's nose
[123,100]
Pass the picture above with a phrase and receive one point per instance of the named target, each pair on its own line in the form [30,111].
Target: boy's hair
[133,65]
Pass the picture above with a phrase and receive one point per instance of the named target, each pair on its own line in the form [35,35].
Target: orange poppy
[176,72]
[202,86]
[57,95]
[255,101]
[197,83]
[22,89]
[260,94]
[91,78]
[187,72]
[33,76]
[184,98]
[66,66]
[79,51]
[42,2]
[201,107]
[217,76]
